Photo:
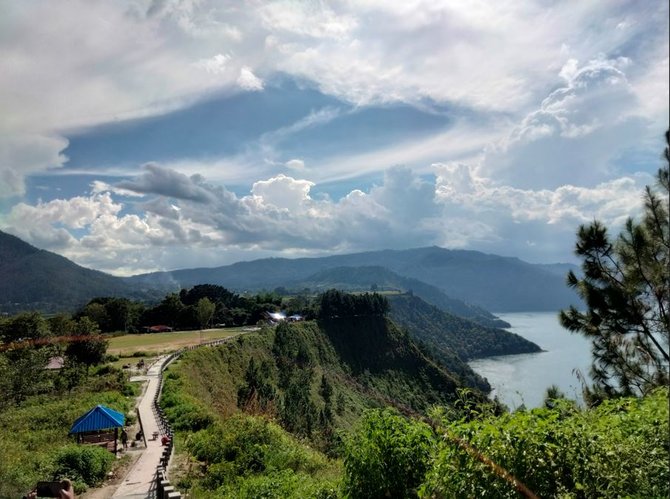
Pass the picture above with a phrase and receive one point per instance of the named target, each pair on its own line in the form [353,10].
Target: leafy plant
[387,456]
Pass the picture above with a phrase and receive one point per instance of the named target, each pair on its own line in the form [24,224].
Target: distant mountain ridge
[31,278]
[496,283]
[379,278]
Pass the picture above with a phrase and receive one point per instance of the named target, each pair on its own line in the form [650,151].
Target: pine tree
[626,289]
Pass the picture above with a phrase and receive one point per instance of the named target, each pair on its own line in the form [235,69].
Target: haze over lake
[524,378]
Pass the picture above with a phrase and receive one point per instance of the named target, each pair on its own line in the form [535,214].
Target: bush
[619,449]
[87,464]
[387,456]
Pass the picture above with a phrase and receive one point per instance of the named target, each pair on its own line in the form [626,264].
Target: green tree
[626,288]
[204,310]
[87,347]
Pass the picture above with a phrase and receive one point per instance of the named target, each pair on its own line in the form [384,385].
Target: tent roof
[98,418]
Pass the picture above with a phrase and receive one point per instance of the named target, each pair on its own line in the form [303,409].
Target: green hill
[446,333]
[494,282]
[367,362]
[31,278]
[379,278]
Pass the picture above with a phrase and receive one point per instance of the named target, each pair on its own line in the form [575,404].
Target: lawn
[153,343]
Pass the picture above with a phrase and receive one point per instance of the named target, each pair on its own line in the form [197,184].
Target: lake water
[523,379]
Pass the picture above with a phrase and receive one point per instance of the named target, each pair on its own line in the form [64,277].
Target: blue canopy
[98,418]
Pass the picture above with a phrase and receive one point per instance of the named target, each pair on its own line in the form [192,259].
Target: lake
[523,379]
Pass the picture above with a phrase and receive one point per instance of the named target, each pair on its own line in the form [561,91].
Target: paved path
[139,480]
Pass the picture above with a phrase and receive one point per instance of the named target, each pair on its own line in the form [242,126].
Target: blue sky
[145,135]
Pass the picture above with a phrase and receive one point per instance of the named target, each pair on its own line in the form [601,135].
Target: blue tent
[98,418]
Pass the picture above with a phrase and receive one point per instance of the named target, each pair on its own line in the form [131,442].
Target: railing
[163,489]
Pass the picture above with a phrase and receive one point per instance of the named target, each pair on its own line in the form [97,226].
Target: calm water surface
[523,379]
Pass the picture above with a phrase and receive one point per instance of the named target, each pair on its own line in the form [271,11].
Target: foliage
[88,464]
[334,303]
[89,348]
[387,456]
[258,393]
[446,332]
[619,449]
[204,311]
[249,456]
[376,278]
[626,288]
[33,433]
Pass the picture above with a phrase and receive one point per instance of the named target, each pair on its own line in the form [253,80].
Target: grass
[32,434]
[154,343]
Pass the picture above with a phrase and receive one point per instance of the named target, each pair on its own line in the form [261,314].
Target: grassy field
[153,343]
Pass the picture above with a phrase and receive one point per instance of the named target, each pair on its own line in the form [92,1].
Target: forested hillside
[493,282]
[377,278]
[314,378]
[448,334]
[31,278]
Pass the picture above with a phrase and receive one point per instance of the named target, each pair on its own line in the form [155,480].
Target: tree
[626,289]
[204,310]
[87,347]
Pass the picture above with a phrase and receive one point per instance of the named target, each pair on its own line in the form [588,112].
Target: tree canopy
[626,288]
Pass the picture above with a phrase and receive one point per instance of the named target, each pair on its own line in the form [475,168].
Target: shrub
[619,449]
[387,456]
[87,464]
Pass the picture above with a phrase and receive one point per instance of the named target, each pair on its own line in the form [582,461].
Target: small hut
[99,426]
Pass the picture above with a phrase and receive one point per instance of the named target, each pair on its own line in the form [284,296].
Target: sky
[143,135]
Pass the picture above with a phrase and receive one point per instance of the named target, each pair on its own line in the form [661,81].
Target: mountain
[375,278]
[496,283]
[31,278]
[447,334]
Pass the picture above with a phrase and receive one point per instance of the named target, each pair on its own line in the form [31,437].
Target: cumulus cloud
[118,60]
[577,132]
[249,81]
[280,217]
[168,182]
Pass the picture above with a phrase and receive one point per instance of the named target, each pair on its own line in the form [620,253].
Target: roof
[55,363]
[276,316]
[99,418]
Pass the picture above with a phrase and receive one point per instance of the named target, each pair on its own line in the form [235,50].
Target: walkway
[140,478]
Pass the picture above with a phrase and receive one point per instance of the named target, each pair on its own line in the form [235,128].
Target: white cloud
[283,192]
[577,132]
[91,63]
[295,164]
[216,65]
[249,81]
[280,217]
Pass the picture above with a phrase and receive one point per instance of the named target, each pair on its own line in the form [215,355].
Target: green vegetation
[251,457]
[626,288]
[453,340]
[449,334]
[383,281]
[34,441]
[128,344]
[315,378]
[387,456]
[619,449]
[83,464]
[34,279]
